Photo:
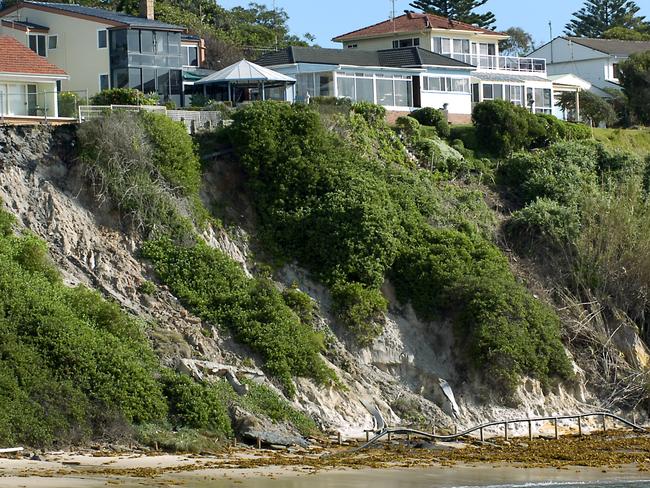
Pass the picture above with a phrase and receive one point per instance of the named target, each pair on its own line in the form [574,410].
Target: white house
[400,79]
[593,60]
[522,81]
[27,83]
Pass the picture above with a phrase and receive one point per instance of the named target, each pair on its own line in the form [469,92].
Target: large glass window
[191,56]
[403,93]
[174,43]
[345,87]
[305,84]
[326,81]
[385,92]
[163,81]
[160,42]
[134,41]
[365,90]
[121,78]
[135,78]
[443,83]
[104,82]
[148,80]
[406,42]
[543,102]
[37,44]
[146,42]
[175,81]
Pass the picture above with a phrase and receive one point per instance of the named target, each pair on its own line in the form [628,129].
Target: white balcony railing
[504,63]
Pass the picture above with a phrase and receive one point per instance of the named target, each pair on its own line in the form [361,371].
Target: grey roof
[391,58]
[612,46]
[109,15]
[507,78]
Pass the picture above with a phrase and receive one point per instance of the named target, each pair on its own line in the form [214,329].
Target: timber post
[557,435]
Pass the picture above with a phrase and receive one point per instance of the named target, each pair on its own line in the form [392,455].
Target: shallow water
[463,477]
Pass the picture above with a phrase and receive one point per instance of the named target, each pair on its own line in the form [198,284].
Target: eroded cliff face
[403,371]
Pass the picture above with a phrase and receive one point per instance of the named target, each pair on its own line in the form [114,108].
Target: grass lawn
[633,140]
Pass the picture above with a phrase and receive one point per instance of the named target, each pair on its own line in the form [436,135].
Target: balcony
[502,63]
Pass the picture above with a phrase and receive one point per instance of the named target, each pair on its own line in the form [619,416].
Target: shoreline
[616,456]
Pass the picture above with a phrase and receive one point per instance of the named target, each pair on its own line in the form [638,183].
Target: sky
[328,18]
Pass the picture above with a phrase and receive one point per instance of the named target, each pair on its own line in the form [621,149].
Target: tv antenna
[392,13]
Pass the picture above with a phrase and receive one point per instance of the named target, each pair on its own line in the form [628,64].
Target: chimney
[147,9]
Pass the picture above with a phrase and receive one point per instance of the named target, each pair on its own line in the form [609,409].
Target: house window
[32,101]
[103,82]
[616,70]
[446,84]
[353,46]
[406,43]
[102,39]
[543,104]
[190,56]
[52,42]
[37,44]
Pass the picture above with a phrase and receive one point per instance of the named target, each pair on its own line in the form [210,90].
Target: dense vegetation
[72,365]
[215,288]
[584,210]
[349,205]
[147,166]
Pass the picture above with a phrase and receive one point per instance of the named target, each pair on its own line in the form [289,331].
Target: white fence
[193,120]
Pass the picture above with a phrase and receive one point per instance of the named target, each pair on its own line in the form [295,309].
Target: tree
[592,107]
[626,34]
[460,10]
[519,43]
[598,16]
[635,79]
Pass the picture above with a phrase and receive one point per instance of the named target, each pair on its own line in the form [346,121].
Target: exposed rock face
[401,372]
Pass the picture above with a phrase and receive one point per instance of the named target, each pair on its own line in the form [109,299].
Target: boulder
[252,427]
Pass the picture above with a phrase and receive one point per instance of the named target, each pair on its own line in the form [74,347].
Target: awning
[245,72]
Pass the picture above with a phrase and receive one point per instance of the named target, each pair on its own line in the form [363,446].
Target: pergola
[245,74]
[572,84]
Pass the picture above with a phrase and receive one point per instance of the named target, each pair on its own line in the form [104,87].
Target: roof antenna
[392,15]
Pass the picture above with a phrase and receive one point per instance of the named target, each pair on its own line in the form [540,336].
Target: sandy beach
[613,457]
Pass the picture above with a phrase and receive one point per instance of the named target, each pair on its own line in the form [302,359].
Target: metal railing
[44,105]
[505,423]
[504,63]
[193,120]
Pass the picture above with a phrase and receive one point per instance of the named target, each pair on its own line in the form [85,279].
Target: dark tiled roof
[109,15]
[19,59]
[392,58]
[612,46]
[411,22]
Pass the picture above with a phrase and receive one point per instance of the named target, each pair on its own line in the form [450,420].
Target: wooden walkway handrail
[480,428]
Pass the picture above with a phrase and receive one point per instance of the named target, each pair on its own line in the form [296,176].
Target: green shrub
[502,127]
[174,154]
[550,130]
[408,129]
[215,288]
[561,173]
[69,104]
[360,309]
[433,118]
[300,303]
[123,96]
[505,330]
[577,132]
[72,365]
[195,405]
[120,159]
[543,222]
[465,133]
[372,113]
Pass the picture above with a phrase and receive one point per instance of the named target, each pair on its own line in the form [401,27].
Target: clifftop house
[27,83]
[594,60]
[102,49]
[420,60]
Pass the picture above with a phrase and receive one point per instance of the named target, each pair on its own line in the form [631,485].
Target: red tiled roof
[412,22]
[19,59]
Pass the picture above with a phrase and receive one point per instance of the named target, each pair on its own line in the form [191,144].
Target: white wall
[459,103]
